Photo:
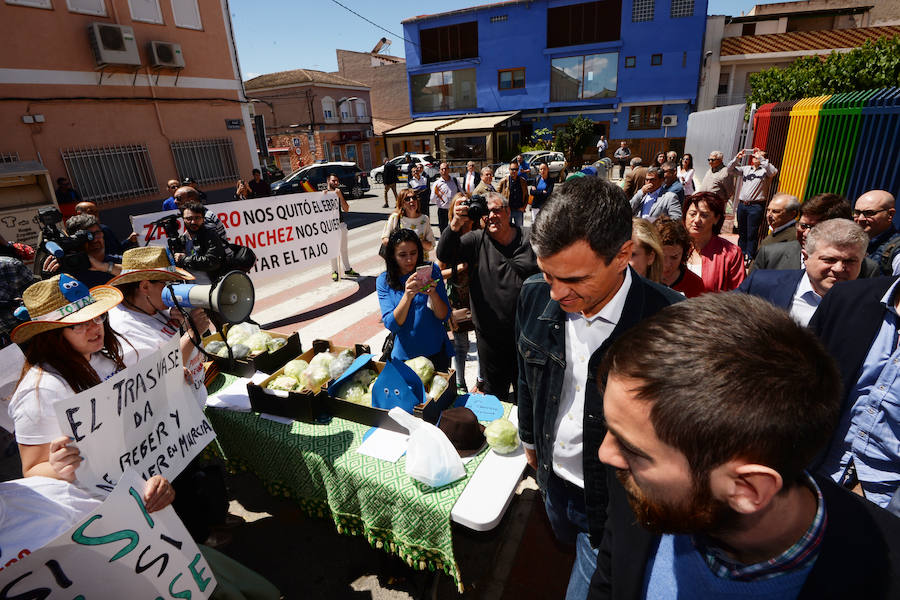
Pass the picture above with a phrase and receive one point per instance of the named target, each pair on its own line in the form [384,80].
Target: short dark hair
[669,166]
[769,393]
[586,208]
[827,206]
[59,180]
[80,221]
[333,174]
[394,276]
[674,233]
[255,171]
[194,207]
[713,202]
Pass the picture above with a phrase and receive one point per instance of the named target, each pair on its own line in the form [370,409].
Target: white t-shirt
[147,332]
[36,510]
[31,405]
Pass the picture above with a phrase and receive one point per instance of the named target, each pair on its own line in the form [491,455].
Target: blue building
[485,78]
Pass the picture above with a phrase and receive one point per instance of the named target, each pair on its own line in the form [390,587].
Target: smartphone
[423,273]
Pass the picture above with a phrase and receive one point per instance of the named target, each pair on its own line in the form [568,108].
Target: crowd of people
[704,418]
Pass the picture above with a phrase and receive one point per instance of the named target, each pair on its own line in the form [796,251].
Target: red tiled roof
[299,76]
[804,40]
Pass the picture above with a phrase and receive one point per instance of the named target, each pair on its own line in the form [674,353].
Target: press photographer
[81,254]
[202,253]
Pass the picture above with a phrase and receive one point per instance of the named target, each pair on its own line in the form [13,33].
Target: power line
[373,23]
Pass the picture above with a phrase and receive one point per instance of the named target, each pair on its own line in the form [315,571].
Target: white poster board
[117,551]
[143,417]
[288,233]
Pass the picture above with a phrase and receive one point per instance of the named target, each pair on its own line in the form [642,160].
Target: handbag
[461,320]
[243,258]
[382,251]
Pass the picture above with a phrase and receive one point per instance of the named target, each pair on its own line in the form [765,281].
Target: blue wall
[521,41]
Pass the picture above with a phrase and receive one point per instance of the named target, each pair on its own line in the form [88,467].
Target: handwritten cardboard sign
[287,233]
[144,417]
[117,551]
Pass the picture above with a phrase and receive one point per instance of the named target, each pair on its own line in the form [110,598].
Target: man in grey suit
[787,255]
[651,202]
[781,215]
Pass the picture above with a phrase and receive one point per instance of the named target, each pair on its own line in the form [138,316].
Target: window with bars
[642,10]
[206,161]
[8,157]
[682,8]
[104,174]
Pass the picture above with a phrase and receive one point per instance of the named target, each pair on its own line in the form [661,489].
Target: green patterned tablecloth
[318,467]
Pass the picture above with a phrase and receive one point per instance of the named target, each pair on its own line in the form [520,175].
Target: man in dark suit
[858,323]
[788,255]
[568,316]
[709,496]
[781,215]
[834,252]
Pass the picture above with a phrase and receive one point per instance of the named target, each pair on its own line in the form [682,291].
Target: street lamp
[345,99]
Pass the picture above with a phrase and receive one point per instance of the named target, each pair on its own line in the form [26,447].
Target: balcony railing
[729,99]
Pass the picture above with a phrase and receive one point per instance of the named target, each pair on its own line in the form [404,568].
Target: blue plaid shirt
[802,554]
[14,279]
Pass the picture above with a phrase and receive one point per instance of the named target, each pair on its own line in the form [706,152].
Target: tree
[873,65]
[574,138]
[541,139]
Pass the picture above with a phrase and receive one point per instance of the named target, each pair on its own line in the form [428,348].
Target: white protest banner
[287,233]
[117,551]
[144,417]
[149,234]
[12,360]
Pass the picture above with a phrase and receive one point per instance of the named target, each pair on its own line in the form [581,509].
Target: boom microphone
[232,297]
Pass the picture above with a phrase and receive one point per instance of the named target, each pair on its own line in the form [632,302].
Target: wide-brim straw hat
[61,301]
[149,263]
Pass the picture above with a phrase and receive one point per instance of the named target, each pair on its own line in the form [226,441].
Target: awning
[420,127]
[275,150]
[476,123]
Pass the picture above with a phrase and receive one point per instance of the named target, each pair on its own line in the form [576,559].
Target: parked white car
[556,160]
[430,165]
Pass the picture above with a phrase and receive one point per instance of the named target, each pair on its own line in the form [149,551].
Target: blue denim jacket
[541,346]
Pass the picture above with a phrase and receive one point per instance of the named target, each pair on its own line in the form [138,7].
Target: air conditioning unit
[113,45]
[166,55]
[669,120]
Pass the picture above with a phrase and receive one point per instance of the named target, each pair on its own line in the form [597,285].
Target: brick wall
[389,88]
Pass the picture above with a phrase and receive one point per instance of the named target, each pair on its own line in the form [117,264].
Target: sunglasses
[868,213]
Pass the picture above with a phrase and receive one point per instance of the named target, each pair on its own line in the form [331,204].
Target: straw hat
[61,301]
[149,263]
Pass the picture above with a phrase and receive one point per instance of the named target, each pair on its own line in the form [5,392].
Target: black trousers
[443,218]
[497,362]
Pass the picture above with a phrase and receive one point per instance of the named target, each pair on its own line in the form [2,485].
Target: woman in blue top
[414,311]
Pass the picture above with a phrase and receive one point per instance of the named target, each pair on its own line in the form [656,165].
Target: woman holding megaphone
[145,320]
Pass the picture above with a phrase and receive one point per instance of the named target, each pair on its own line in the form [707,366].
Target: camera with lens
[169,224]
[477,207]
[67,249]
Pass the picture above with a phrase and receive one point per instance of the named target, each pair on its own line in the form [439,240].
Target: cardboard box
[267,362]
[321,407]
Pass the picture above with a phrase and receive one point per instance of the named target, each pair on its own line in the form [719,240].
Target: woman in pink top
[718,262]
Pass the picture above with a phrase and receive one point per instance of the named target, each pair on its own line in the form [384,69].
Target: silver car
[429,163]
[555,160]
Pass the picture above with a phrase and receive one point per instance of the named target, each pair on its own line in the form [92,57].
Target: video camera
[477,207]
[169,224]
[68,249]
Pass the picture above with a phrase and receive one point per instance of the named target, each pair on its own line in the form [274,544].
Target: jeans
[344,252]
[564,503]
[518,217]
[461,346]
[443,215]
[749,219]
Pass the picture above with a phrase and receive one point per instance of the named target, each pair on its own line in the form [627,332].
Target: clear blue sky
[278,35]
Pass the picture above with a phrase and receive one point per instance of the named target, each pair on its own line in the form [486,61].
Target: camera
[169,224]
[477,207]
[68,250]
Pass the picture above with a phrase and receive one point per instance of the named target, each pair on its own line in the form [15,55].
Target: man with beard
[713,464]
[204,254]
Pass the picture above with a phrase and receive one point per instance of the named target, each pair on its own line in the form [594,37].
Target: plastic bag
[430,456]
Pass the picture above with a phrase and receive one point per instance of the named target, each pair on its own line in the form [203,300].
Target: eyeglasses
[710,159]
[81,327]
[173,187]
[805,226]
[868,213]
[193,219]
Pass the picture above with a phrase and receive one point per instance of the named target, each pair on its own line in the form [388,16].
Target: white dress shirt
[583,336]
[805,302]
[471,181]
[442,192]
